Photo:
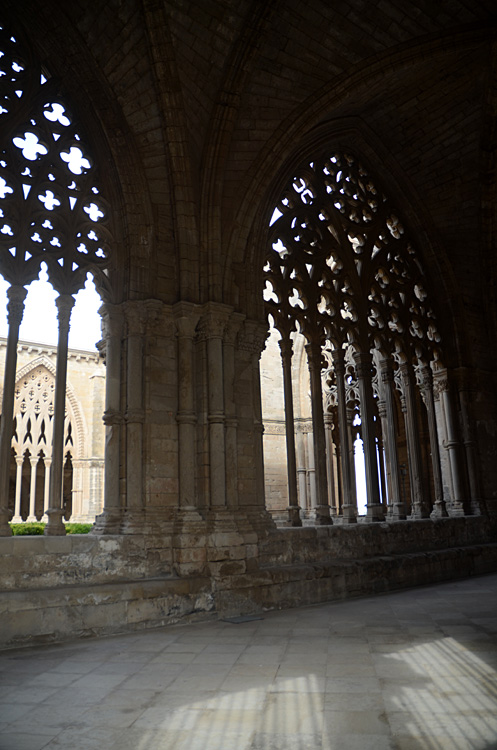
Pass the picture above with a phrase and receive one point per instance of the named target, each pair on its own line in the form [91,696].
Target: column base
[349,514]
[133,522]
[108,522]
[322,516]
[397,513]
[477,508]
[456,510]
[5,516]
[55,527]
[294,515]
[374,513]
[419,514]
[439,510]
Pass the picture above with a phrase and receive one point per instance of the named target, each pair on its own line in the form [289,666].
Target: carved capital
[440,383]
[338,358]
[112,320]
[233,327]
[112,417]
[186,417]
[386,371]
[136,315]
[252,337]
[382,409]
[65,304]
[314,356]
[328,421]
[186,317]
[214,320]
[363,365]
[135,416]
[15,306]
[286,348]
[426,378]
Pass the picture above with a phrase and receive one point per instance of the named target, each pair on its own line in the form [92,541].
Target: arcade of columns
[32,433]
[339,270]
[343,284]
[441,491]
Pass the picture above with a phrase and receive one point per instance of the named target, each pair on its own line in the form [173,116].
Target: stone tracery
[52,212]
[343,272]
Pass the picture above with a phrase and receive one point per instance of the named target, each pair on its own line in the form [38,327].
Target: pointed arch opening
[365,424]
[55,226]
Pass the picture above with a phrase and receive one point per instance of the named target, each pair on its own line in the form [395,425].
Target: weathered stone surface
[302,566]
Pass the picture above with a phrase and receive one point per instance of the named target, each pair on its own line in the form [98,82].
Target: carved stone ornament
[51,206]
[252,336]
[340,264]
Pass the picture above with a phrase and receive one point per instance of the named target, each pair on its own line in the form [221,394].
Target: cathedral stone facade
[84,433]
[311,180]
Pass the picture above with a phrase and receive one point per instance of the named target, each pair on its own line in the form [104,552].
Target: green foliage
[37,528]
[78,528]
[27,529]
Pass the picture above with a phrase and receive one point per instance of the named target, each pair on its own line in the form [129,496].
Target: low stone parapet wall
[54,588]
[34,562]
[54,614]
[361,541]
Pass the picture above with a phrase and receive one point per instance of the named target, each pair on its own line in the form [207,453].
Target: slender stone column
[314,361]
[187,318]
[330,471]
[33,460]
[419,505]
[15,310]
[349,504]
[301,470]
[251,342]
[390,442]
[78,511]
[363,366]
[17,508]
[214,324]
[439,509]
[135,315]
[109,522]
[46,488]
[311,473]
[231,422]
[258,430]
[386,480]
[286,347]
[381,472]
[454,449]
[477,505]
[351,432]
[55,526]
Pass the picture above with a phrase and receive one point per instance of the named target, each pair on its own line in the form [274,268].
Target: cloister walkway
[413,670]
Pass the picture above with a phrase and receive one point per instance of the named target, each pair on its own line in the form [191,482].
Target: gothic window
[52,212]
[342,272]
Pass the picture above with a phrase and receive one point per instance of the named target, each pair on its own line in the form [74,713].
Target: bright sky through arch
[39,323]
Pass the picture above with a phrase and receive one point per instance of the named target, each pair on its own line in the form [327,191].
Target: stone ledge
[54,614]
[277,587]
[58,613]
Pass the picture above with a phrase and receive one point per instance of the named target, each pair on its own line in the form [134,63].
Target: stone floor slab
[414,670]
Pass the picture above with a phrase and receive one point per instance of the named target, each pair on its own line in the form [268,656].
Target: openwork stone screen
[52,212]
[50,206]
[342,270]
[342,266]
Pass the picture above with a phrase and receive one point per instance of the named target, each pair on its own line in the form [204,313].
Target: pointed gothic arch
[74,409]
[342,273]
[53,212]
